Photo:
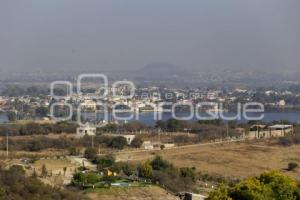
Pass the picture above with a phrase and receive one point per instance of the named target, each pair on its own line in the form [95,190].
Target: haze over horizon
[128,35]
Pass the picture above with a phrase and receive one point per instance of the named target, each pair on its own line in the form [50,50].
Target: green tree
[78,178]
[104,162]
[145,170]
[12,116]
[283,187]
[174,125]
[220,193]
[90,153]
[34,145]
[252,189]
[127,169]
[65,170]
[292,166]
[268,186]
[42,111]
[136,143]
[118,142]
[158,163]
[187,172]
[92,178]
[109,179]
[44,171]
[17,169]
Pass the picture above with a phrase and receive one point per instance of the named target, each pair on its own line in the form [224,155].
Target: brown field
[230,160]
[56,169]
[55,166]
[52,136]
[135,193]
[24,154]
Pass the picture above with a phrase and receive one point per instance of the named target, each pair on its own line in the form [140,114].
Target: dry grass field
[135,193]
[55,166]
[25,154]
[230,160]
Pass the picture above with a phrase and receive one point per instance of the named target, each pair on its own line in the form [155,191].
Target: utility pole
[159,136]
[227,130]
[92,141]
[6,144]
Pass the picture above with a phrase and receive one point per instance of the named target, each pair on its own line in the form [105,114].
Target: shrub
[285,141]
[292,166]
[145,170]
[127,169]
[103,162]
[188,173]
[136,143]
[118,142]
[15,185]
[159,164]
[73,151]
[90,153]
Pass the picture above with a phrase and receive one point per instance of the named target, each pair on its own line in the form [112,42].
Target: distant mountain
[162,70]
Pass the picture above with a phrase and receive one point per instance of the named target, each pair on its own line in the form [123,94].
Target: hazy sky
[128,34]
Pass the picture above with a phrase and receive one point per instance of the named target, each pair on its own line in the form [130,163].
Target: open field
[56,167]
[40,154]
[134,193]
[230,160]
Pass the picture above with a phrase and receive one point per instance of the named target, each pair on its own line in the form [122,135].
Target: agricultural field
[238,160]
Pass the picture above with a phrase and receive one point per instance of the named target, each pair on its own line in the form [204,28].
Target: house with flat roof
[86,129]
[264,131]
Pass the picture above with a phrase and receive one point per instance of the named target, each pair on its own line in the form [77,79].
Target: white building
[147,145]
[128,138]
[282,103]
[86,129]
[263,131]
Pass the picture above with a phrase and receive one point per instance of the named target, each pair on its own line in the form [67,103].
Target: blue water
[147,117]
[3,118]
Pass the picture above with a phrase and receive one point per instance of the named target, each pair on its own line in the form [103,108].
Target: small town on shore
[94,155]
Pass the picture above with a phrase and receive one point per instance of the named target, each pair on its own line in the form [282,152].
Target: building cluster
[149,99]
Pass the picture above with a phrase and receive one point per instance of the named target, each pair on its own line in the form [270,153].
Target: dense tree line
[133,126]
[206,130]
[33,128]
[14,185]
[39,143]
[16,91]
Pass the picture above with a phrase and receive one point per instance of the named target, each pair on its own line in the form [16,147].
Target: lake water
[3,118]
[148,118]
